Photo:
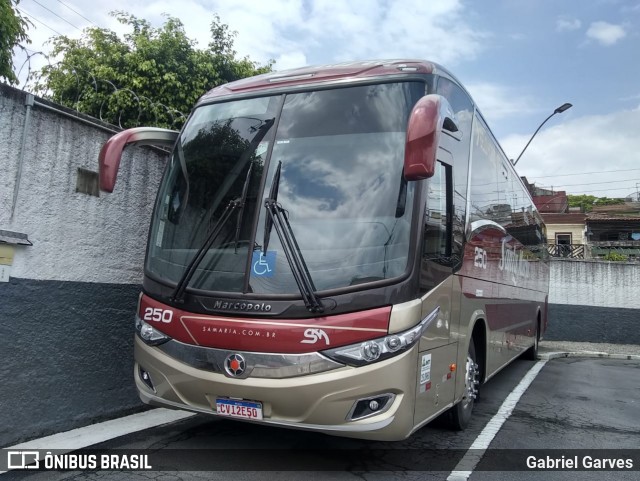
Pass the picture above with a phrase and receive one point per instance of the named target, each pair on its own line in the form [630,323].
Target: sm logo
[314,335]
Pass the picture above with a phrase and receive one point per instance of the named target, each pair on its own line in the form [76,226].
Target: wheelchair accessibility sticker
[263,265]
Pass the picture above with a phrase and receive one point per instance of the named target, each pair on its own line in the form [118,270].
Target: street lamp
[559,110]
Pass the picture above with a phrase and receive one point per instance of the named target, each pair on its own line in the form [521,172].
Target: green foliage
[586,202]
[152,76]
[614,256]
[13,31]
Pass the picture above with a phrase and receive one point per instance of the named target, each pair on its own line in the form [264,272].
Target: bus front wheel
[461,412]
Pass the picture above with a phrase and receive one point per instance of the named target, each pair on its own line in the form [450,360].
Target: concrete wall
[66,312]
[594,301]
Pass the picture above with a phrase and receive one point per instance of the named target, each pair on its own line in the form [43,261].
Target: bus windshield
[340,188]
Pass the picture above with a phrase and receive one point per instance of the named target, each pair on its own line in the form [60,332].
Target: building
[614,229]
[566,235]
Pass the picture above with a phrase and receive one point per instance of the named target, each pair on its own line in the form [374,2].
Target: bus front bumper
[322,402]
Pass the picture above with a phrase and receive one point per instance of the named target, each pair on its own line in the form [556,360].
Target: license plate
[238,408]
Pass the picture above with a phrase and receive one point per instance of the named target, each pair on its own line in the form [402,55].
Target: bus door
[436,378]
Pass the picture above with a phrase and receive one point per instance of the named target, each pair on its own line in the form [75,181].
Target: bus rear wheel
[461,412]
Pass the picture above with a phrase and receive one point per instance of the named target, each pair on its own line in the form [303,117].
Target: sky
[519,59]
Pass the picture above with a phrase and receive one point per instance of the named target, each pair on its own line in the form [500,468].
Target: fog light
[145,377]
[370,406]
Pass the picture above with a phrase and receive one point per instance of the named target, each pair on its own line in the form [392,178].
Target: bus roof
[322,73]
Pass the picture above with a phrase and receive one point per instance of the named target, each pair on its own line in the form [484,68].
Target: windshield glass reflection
[341,186]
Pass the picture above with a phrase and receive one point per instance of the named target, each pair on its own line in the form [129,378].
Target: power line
[77,13]
[595,183]
[605,190]
[582,173]
[54,13]
[39,21]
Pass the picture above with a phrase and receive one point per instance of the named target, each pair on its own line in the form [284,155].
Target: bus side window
[438,218]
[463,108]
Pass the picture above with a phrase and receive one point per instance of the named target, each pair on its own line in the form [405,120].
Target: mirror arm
[111,152]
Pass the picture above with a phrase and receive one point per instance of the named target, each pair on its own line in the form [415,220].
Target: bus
[342,248]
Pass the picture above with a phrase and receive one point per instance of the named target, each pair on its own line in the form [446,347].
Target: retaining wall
[67,302]
[594,302]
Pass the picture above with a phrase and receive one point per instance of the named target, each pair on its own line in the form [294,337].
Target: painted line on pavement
[100,432]
[474,454]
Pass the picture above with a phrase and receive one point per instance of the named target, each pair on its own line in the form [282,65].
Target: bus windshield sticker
[160,234]
[262,148]
[263,265]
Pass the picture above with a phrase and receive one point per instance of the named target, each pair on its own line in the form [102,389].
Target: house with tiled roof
[566,234]
[604,230]
[614,228]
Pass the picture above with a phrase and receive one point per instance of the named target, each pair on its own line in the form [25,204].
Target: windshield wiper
[178,292]
[277,217]
[243,200]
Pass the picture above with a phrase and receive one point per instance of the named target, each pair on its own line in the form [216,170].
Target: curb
[588,354]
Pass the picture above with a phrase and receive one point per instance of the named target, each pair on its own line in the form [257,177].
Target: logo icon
[23,460]
[235,365]
[314,335]
[263,265]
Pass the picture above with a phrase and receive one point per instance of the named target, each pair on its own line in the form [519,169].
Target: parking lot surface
[573,403]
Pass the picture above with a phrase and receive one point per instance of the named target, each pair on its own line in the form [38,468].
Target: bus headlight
[149,334]
[368,352]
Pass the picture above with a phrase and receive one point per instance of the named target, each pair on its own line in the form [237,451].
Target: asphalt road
[575,404]
[572,404]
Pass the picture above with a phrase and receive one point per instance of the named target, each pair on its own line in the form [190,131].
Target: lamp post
[559,110]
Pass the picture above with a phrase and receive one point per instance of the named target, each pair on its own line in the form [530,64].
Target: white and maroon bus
[343,248]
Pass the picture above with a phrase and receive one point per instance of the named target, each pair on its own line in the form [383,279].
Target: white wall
[590,283]
[75,236]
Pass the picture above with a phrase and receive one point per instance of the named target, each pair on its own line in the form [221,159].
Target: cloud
[593,143]
[497,102]
[567,25]
[290,60]
[606,33]
[299,32]
[353,30]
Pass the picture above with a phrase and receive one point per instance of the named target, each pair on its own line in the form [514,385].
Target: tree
[13,31]
[586,202]
[152,76]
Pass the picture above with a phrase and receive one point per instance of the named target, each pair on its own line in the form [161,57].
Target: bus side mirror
[111,152]
[429,116]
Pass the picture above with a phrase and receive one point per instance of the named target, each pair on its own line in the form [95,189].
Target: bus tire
[460,414]
[531,354]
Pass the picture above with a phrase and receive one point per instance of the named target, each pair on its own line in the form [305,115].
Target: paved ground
[575,403]
[585,348]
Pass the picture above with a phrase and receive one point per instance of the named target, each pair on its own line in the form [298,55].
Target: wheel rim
[470,382]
